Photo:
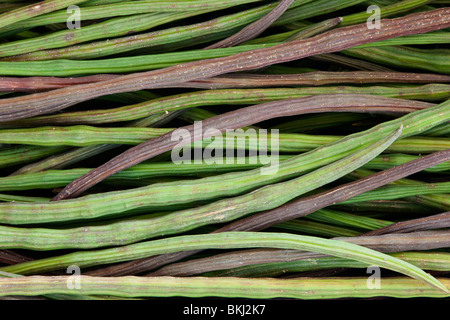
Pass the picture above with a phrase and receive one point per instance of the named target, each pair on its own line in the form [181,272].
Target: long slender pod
[228,287]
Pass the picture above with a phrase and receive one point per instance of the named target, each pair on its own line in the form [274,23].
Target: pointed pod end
[439,285]
[445,289]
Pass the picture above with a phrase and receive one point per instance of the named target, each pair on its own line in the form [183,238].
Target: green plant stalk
[220,211]
[18,34]
[227,240]
[125,8]
[428,38]
[353,63]
[12,1]
[435,37]
[108,29]
[127,97]
[380,3]
[92,3]
[196,287]
[439,201]
[435,60]
[194,34]
[65,67]
[23,154]
[158,119]
[117,26]
[315,29]
[62,159]
[5,7]
[79,135]
[386,193]
[49,179]
[8,197]
[59,178]
[345,219]
[254,29]
[435,200]
[403,191]
[190,116]
[438,37]
[61,296]
[278,37]
[313,9]
[295,226]
[315,229]
[73,156]
[26,34]
[433,222]
[301,33]
[436,261]
[386,161]
[439,131]
[225,97]
[386,208]
[320,121]
[287,142]
[34,9]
